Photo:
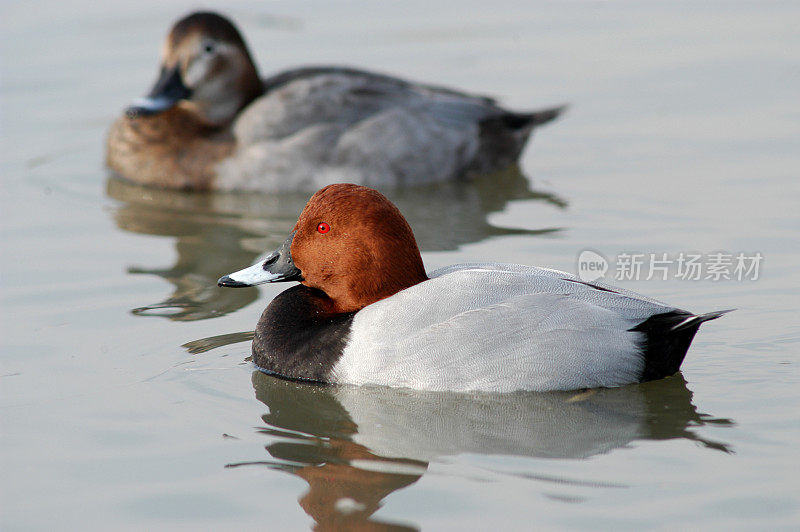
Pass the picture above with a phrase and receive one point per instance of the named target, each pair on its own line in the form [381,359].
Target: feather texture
[318,126]
[499,327]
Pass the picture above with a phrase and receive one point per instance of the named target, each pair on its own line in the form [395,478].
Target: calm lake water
[126,400]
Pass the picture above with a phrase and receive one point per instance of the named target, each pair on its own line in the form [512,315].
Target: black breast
[297,339]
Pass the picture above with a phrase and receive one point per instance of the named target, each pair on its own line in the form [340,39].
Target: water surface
[126,396]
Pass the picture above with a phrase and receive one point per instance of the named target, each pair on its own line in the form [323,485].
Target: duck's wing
[294,74]
[371,90]
[297,99]
[501,328]
[315,126]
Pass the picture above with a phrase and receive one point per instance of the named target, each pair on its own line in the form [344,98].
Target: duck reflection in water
[215,233]
[356,445]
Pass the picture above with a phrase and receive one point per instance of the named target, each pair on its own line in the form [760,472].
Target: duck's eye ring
[208,48]
[323,227]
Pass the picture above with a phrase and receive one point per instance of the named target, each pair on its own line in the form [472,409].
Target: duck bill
[167,91]
[277,267]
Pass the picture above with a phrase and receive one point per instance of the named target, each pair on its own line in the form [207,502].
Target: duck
[366,312]
[211,123]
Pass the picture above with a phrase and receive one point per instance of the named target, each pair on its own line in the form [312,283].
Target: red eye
[323,228]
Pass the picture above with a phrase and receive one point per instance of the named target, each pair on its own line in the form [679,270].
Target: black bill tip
[135,111]
[227,282]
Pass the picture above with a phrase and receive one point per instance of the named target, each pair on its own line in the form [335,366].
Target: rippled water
[126,399]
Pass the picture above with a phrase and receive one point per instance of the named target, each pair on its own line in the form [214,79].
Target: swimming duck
[210,123]
[366,312]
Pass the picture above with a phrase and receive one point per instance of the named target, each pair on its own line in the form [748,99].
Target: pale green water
[125,398]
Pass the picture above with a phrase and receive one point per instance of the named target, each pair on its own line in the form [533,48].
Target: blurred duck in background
[210,123]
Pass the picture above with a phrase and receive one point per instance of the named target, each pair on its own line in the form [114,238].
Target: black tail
[697,319]
[536,118]
[503,136]
[667,339]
